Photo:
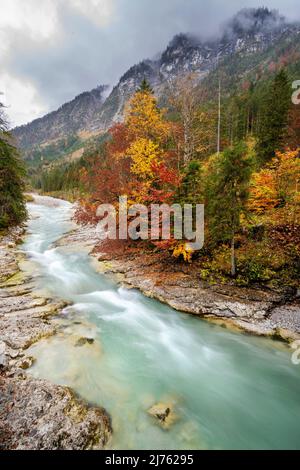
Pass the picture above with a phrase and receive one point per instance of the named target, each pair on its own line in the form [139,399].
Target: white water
[229,390]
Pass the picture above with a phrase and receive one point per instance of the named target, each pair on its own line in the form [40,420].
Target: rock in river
[164,414]
[84,341]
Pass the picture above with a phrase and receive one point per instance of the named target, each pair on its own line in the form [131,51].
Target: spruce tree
[274,118]
[12,204]
[145,87]
[191,189]
[227,195]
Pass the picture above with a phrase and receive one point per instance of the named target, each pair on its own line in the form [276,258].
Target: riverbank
[36,414]
[261,312]
[135,356]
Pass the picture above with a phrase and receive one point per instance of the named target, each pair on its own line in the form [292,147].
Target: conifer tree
[145,87]
[191,189]
[274,118]
[227,195]
[12,205]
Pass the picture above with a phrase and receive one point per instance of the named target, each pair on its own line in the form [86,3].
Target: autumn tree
[148,146]
[198,124]
[136,161]
[277,186]
[144,119]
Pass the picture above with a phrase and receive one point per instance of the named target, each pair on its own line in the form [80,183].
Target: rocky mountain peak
[248,34]
[253,21]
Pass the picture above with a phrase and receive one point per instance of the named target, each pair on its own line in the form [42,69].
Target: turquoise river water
[229,390]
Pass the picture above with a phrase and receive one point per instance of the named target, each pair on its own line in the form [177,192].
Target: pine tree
[274,118]
[145,87]
[191,189]
[227,195]
[12,205]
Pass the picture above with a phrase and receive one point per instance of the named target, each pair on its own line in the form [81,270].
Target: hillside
[71,118]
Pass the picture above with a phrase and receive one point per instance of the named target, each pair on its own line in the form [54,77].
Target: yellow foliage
[184,250]
[144,119]
[143,153]
[277,185]
[263,193]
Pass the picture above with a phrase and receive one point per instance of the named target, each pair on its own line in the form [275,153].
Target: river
[229,390]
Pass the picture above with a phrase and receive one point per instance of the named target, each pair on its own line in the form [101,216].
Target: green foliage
[145,87]
[43,155]
[251,271]
[227,191]
[191,188]
[12,173]
[59,178]
[274,117]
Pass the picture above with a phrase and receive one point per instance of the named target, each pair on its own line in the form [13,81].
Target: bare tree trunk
[186,143]
[219,120]
[233,260]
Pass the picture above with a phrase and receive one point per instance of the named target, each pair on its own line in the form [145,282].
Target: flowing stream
[229,390]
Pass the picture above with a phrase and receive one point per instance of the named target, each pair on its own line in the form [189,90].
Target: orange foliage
[278,186]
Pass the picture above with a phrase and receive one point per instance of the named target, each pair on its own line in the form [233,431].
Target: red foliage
[120,140]
[165,244]
[166,175]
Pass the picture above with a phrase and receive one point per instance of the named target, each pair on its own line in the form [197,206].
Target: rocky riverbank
[256,311]
[35,414]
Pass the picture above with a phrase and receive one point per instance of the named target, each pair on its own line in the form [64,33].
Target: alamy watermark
[154,222]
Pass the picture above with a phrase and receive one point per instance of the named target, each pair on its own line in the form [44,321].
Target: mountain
[72,117]
[252,38]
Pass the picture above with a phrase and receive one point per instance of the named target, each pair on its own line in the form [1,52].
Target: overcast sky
[52,50]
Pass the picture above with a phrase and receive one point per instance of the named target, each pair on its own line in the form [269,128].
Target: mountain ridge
[249,32]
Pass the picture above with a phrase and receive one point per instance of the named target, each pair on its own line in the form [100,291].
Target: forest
[149,228]
[12,179]
[247,176]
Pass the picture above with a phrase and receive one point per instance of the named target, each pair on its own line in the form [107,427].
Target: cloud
[99,12]
[24,100]
[52,50]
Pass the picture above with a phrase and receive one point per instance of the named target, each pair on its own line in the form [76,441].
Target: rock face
[67,120]
[35,414]
[249,33]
